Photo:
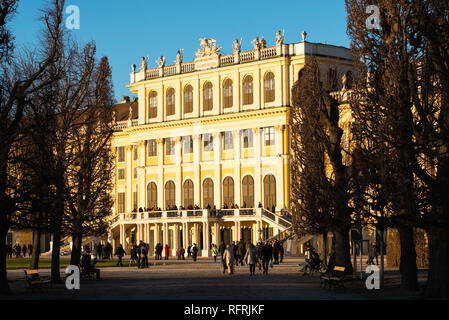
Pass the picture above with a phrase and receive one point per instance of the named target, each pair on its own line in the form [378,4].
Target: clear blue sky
[125,30]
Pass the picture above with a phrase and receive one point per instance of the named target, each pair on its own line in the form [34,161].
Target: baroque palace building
[202,155]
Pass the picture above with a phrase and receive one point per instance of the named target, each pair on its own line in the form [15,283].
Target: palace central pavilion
[202,155]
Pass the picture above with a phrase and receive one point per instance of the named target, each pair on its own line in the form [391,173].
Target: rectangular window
[135,173]
[121,174]
[247,135]
[121,154]
[121,202]
[152,148]
[228,141]
[269,136]
[135,153]
[169,146]
[208,142]
[187,144]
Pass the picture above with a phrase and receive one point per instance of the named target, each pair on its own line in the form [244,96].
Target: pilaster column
[122,235]
[257,167]
[237,181]
[178,186]
[217,169]
[175,237]
[160,170]
[196,168]
[141,174]
[129,177]
[280,167]
[197,234]
[165,226]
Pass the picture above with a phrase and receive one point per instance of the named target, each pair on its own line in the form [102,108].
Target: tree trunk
[75,258]
[4,286]
[342,251]
[437,285]
[55,261]
[34,263]
[407,266]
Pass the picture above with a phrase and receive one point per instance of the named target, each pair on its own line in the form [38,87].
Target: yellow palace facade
[202,155]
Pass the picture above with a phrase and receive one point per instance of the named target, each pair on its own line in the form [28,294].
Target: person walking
[214,252]
[267,255]
[276,252]
[251,259]
[133,257]
[281,252]
[189,251]
[183,252]
[241,251]
[9,250]
[194,250]
[222,250]
[120,252]
[24,250]
[229,259]
[144,255]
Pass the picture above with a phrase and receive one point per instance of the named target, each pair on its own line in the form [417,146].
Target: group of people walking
[262,255]
[19,251]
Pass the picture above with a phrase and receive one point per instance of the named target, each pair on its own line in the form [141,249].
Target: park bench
[35,280]
[87,272]
[335,278]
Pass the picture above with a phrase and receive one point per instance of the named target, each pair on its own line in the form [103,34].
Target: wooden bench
[34,280]
[88,272]
[335,278]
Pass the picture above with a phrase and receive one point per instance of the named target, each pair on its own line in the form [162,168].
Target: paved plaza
[188,280]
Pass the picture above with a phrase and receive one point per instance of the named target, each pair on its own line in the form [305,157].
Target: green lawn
[24,263]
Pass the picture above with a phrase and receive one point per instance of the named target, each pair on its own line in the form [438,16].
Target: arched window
[151,195]
[208,193]
[227,94]
[228,191]
[269,191]
[153,104]
[269,87]
[248,192]
[170,99]
[188,193]
[188,99]
[169,194]
[207,96]
[247,90]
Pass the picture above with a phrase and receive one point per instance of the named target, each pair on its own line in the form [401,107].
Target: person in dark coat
[120,252]
[221,251]
[144,248]
[276,252]
[30,249]
[281,252]
[267,255]
[133,257]
[194,252]
[241,251]
[24,250]
[189,251]
[235,253]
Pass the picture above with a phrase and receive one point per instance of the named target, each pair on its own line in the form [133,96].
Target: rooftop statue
[208,48]
[256,43]
[304,35]
[143,64]
[161,61]
[236,45]
[179,56]
[263,43]
[279,37]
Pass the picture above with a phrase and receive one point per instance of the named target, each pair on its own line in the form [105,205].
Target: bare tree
[321,189]
[405,112]
[18,82]
[89,180]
